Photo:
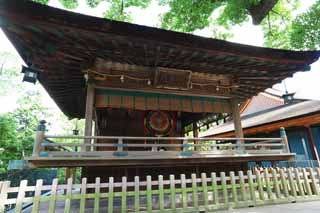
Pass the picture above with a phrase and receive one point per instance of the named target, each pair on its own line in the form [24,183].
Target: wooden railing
[153,147]
[204,193]
[158,146]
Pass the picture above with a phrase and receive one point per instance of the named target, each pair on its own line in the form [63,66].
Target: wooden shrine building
[264,114]
[138,87]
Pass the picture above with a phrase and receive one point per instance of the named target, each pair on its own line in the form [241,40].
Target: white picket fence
[204,193]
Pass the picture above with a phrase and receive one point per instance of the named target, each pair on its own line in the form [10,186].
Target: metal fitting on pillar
[283,135]
[42,126]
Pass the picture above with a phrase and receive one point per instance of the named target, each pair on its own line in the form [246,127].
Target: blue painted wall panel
[296,146]
[316,137]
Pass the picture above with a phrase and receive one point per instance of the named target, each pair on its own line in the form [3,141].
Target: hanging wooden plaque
[172,78]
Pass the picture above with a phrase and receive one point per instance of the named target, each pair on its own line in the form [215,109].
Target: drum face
[158,122]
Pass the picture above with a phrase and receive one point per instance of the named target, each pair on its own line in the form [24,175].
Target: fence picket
[124,195]
[184,191]
[67,204]
[4,194]
[251,187]
[53,197]
[97,195]
[293,190]
[194,191]
[83,195]
[298,181]
[268,185]
[276,183]
[314,186]
[224,188]
[242,186]
[234,188]
[149,194]
[214,189]
[204,189]
[161,193]
[284,183]
[21,195]
[318,173]
[110,195]
[306,182]
[136,194]
[173,193]
[260,185]
[37,196]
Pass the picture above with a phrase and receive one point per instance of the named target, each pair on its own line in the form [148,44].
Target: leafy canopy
[282,29]
[305,30]
[17,128]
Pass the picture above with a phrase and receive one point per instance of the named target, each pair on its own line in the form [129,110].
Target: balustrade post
[284,137]
[120,143]
[184,147]
[40,135]
[120,152]
[154,149]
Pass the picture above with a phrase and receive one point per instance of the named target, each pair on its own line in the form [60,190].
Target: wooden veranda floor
[153,160]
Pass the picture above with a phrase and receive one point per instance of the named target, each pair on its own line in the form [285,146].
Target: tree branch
[260,11]
[269,24]
[282,17]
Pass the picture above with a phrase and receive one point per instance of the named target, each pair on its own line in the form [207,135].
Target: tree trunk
[260,11]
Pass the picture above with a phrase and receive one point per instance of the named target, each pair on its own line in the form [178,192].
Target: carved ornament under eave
[119,75]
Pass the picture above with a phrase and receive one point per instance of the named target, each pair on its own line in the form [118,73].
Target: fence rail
[111,146]
[204,193]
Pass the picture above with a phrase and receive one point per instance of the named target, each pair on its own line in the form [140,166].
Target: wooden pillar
[195,129]
[74,174]
[67,174]
[71,172]
[312,143]
[89,112]
[236,120]
[40,135]
[195,134]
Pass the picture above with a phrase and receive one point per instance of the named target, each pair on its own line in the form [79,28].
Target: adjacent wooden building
[138,87]
[264,114]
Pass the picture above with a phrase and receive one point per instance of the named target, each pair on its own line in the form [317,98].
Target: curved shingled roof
[276,114]
[61,44]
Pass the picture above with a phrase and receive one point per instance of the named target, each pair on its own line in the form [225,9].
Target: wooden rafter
[73,42]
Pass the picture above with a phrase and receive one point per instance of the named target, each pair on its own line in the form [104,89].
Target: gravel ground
[312,207]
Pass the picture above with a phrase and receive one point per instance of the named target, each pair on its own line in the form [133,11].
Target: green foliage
[305,32]
[9,74]
[69,4]
[93,3]
[32,175]
[8,139]
[281,28]
[61,175]
[277,25]
[117,12]
[234,12]
[28,115]
[17,128]
[118,9]
[188,15]
[41,1]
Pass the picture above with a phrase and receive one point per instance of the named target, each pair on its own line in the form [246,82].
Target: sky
[305,84]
